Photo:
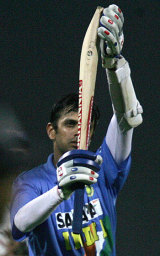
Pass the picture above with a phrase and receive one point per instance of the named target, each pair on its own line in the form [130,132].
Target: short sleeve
[22,193]
[111,173]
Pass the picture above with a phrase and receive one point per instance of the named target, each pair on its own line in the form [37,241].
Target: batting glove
[77,168]
[111,35]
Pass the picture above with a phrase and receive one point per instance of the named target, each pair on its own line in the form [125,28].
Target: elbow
[21,222]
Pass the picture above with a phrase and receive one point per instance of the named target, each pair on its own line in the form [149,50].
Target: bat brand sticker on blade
[89,121]
[89,53]
[79,113]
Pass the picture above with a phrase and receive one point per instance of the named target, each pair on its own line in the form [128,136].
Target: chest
[96,207]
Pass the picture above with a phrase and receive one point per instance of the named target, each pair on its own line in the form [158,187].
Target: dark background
[40,44]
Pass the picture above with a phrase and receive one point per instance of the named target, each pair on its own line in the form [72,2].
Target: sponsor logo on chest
[90,211]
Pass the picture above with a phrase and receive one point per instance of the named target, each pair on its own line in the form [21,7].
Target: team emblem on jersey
[89,190]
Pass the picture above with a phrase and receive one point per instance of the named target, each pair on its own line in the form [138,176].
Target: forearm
[115,90]
[119,143]
[37,211]
[125,104]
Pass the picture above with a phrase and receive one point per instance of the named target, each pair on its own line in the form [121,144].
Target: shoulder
[38,176]
[38,172]
[34,173]
[29,180]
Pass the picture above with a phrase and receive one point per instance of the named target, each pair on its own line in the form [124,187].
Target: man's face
[66,134]
[65,137]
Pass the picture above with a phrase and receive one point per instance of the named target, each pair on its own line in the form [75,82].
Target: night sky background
[40,45]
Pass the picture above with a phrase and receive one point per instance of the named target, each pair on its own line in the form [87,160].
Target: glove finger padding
[112,48]
[111,35]
[86,177]
[115,14]
[77,167]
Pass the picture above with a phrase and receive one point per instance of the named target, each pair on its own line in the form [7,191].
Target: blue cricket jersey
[54,237]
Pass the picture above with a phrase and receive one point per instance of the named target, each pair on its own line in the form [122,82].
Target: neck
[57,156]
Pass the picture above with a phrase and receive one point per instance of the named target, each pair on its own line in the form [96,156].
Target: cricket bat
[87,80]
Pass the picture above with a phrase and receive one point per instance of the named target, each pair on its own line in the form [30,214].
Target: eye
[70,123]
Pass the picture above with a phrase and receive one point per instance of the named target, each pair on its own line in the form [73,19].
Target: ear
[50,131]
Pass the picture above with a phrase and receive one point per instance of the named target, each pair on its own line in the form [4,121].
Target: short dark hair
[67,104]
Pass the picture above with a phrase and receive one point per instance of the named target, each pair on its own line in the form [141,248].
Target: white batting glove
[77,168]
[111,35]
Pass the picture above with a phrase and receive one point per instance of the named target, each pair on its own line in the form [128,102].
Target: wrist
[60,194]
[112,69]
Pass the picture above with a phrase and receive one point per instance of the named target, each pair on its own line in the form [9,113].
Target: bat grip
[78,211]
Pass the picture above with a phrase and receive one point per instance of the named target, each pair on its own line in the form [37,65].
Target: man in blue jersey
[43,198]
